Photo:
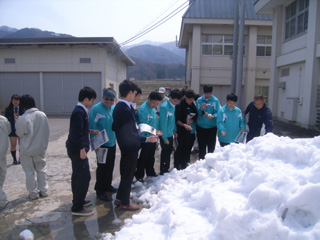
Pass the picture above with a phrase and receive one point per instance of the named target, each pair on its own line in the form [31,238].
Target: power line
[157,24]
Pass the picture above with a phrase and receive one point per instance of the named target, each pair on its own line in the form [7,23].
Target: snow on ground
[266,189]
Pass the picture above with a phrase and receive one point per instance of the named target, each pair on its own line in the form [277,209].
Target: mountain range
[153,59]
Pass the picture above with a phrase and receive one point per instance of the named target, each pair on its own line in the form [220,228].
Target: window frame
[226,41]
[264,45]
[296,19]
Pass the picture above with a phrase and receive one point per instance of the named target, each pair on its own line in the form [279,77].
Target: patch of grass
[148,86]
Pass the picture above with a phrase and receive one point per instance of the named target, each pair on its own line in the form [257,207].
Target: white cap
[162,90]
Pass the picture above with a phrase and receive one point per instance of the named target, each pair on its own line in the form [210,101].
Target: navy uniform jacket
[79,131]
[124,125]
[257,118]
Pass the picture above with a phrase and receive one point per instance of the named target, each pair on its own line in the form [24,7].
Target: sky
[266,189]
[121,19]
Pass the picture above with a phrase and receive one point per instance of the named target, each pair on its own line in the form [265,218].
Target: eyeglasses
[109,99]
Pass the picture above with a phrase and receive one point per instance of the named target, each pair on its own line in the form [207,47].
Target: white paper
[147,128]
[191,115]
[99,140]
[102,155]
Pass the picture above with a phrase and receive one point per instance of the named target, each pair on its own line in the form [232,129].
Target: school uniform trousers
[206,139]
[104,171]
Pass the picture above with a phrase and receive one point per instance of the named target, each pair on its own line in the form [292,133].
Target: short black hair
[27,102]
[139,91]
[189,93]
[155,96]
[87,92]
[176,94]
[126,86]
[207,88]
[232,97]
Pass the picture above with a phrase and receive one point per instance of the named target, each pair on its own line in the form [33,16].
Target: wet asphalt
[50,218]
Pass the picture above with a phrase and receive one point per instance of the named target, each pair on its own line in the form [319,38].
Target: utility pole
[240,53]
[235,45]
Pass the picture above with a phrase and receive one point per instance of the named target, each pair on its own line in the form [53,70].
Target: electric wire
[157,24]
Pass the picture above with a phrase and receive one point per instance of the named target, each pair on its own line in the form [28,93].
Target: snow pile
[266,189]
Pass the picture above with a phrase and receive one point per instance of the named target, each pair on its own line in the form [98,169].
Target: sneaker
[87,203]
[15,162]
[103,197]
[112,189]
[82,212]
[33,196]
[130,207]
[43,194]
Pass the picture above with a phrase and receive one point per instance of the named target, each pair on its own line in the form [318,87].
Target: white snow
[266,189]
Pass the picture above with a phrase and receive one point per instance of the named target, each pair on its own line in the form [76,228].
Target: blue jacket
[213,108]
[167,123]
[256,120]
[147,115]
[100,118]
[230,121]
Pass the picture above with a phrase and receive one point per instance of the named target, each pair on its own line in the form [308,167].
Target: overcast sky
[121,19]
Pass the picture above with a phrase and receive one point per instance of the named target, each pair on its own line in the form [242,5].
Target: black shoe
[15,162]
[103,197]
[112,189]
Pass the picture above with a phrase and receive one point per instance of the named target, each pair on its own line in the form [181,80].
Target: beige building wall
[217,70]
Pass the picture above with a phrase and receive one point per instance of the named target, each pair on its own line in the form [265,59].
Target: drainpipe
[240,53]
[235,45]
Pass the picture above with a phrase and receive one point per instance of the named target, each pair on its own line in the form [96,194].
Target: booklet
[99,140]
[147,128]
[102,155]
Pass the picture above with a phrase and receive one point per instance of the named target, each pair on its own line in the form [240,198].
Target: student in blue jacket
[147,114]
[260,118]
[167,125]
[208,107]
[230,121]
[100,118]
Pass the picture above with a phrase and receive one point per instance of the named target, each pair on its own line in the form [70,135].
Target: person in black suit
[129,141]
[12,112]
[77,147]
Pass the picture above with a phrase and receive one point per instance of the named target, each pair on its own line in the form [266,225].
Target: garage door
[61,90]
[19,83]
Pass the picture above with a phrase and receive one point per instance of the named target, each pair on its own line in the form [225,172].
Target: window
[296,18]
[264,45]
[85,60]
[285,72]
[264,91]
[217,44]
[9,60]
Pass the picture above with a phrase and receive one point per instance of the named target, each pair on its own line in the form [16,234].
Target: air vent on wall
[85,60]
[9,60]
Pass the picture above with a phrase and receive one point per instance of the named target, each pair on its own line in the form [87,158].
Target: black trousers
[222,144]
[182,154]
[104,171]
[166,150]
[128,164]
[146,160]
[206,139]
[80,179]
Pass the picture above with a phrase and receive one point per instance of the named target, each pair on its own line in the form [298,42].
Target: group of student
[183,116]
